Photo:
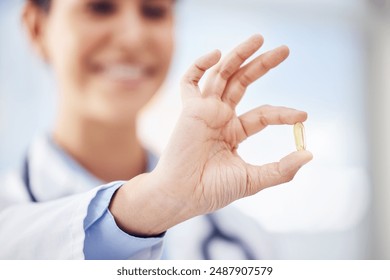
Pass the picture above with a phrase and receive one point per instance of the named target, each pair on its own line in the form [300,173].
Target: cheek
[69,50]
[165,46]
[79,64]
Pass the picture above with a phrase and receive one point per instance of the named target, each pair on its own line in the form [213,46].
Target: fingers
[260,117]
[216,82]
[236,87]
[276,173]
[190,80]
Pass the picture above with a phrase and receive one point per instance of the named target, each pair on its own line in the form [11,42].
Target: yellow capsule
[299,135]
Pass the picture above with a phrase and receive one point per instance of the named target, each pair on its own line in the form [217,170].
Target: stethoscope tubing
[27,179]
[217,233]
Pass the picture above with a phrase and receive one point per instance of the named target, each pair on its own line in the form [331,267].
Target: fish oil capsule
[299,136]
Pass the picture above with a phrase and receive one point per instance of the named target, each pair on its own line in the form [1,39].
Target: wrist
[144,207]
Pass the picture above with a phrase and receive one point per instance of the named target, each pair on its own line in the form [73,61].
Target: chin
[114,118]
[113,103]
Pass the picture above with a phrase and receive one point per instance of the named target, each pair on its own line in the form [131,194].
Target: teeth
[124,72]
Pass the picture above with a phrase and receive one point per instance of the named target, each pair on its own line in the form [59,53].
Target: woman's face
[109,56]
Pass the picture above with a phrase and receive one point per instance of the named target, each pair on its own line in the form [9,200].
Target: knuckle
[198,67]
[265,64]
[289,177]
[263,120]
[225,73]
[245,80]
[240,56]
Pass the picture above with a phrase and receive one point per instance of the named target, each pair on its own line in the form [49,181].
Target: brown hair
[43,4]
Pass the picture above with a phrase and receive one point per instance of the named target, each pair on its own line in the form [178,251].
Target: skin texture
[104,82]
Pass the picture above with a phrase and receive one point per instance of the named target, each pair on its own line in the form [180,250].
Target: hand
[201,165]
[200,170]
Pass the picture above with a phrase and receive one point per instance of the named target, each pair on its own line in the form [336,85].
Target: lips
[129,74]
[125,72]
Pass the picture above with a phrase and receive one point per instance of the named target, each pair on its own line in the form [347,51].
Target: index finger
[260,117]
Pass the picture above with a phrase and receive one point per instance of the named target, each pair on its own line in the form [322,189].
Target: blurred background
[338,71]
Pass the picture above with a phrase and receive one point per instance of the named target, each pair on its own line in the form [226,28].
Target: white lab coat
[53,228]
[47,230]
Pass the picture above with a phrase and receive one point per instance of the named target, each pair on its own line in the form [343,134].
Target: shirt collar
[55,174]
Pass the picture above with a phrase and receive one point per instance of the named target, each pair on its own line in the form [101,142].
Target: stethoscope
[215,233]
[26,179]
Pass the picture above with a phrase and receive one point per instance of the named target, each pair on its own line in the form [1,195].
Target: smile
[125,72]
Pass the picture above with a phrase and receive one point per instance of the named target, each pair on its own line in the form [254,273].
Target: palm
[202,153]
[218,172]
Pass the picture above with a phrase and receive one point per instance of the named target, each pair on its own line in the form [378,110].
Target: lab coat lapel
[54,174]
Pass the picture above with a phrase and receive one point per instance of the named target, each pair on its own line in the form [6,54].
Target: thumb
[276,173]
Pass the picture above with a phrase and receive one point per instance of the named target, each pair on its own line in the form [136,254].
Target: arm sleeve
[54,229]
[105,240]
